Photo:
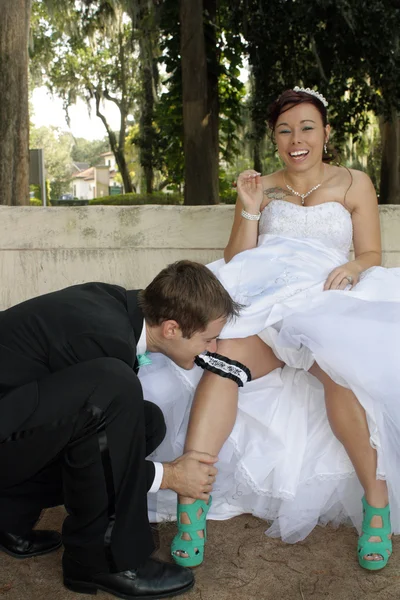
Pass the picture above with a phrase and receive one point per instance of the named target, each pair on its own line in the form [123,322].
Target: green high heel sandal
[366,547]
[194,547]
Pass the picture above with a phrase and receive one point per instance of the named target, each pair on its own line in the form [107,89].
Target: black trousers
[84,446]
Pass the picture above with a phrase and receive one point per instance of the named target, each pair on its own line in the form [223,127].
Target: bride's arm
[366,227]
[244,232]
[362,201]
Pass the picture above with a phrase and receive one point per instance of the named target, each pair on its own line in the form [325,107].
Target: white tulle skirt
[281,461]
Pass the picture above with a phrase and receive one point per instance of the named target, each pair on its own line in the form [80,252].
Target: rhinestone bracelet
[250,217]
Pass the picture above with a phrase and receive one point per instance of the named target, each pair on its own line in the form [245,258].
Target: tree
[57,146]
[390,163]
[93,58]
[89,151]
[200,147]
[223,93]
[349,51]
[101,17]
[145,32]
[14,110]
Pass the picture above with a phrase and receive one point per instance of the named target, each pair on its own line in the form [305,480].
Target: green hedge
[227,197]
[138,199]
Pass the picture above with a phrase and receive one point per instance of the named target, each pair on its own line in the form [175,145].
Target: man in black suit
[75,430]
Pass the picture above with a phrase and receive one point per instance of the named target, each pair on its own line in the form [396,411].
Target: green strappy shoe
[194,547]
[366,547]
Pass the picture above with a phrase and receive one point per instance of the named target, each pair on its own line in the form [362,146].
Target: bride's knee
[323,377]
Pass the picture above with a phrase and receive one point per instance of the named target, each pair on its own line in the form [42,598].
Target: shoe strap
[366,547]
[369,513]
[193,529]
[191,510]
[179,544]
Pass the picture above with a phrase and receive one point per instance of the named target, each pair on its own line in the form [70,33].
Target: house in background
[79,166]
[95,182]
[109,160]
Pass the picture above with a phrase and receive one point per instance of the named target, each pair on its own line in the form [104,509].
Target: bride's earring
[325,149]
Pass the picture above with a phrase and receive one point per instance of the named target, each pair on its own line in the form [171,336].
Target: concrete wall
[44,249]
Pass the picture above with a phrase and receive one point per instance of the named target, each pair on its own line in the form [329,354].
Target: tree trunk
[124,171]
[14,110]
[390,165]
[116,148]
[258,152]
[147,26]
[147,113]
[212,56]
[201,156]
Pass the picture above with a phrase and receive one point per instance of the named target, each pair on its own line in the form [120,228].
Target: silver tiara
[312,93]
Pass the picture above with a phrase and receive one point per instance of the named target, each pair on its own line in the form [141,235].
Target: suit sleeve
[150,473]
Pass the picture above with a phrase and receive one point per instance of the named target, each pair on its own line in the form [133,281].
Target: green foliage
[349,51]
[231,91]
[37,198]
[227,194]
[138,199]
[91,57]
[57,146]
[363,151]
[36,192]
[90,151]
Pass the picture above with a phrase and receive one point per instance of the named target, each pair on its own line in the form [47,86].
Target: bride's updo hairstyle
[287,100]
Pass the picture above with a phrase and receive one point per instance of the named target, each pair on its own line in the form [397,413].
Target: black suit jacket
[54,331]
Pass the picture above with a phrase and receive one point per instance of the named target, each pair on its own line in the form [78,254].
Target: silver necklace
[302,196]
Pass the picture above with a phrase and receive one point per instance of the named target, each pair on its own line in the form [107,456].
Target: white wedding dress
[282,462]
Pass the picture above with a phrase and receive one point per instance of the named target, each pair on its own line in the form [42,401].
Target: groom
[75,430]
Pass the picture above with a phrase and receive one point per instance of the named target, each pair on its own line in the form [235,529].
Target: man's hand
[191,475]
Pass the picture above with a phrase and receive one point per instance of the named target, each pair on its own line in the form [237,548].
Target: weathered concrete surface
[44,249]
[47,249]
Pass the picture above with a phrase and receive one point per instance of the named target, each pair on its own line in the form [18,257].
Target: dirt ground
[241,564]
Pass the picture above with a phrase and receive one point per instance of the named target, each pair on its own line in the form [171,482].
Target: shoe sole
[22,556]
[87,587]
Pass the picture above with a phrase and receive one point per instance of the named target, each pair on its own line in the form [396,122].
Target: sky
[48,110]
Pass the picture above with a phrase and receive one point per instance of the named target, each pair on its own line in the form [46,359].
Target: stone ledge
[44,249]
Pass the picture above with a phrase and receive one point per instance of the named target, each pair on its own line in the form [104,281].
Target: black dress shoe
[34,543]
[153,580]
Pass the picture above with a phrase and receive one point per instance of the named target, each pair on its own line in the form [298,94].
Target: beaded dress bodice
[330,222]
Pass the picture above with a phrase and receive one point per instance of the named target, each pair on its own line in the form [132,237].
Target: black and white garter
[225,367]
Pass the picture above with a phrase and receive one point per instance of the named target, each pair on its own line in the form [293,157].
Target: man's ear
[170,329]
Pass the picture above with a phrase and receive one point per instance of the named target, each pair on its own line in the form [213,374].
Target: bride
[301,400]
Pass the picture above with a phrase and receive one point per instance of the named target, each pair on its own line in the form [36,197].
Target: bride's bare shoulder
[356,185]
[344,175]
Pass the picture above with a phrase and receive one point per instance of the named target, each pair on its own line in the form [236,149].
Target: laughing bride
[301,400]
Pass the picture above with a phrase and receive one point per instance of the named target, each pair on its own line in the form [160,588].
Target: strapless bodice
[330,222]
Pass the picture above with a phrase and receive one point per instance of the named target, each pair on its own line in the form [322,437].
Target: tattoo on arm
[277,193]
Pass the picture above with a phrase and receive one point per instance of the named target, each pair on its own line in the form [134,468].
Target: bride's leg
[348,421]
[214,406]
